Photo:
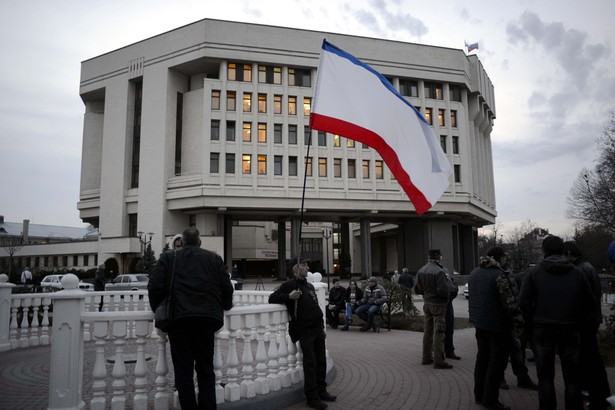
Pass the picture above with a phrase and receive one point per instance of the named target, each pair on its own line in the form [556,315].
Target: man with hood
[558,297]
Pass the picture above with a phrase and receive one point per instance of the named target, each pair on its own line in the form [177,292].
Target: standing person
[354,294]
[558,297]
[176,242]
[374,295]
[493,326]
[99,284]
[26,276]
[395,277]
[593,373]
[337,297]
[406,279]
[449,329]
[202,290]
[432,284]
[306,326]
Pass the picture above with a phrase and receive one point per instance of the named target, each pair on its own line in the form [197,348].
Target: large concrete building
[207,125]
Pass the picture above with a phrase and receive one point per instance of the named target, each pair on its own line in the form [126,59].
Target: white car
[132,281]
[466,291]
[52,283]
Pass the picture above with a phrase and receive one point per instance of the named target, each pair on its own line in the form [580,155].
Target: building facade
[207,125]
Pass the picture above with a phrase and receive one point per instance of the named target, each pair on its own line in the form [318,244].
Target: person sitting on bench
[354,294]
[374,295]
[337,294]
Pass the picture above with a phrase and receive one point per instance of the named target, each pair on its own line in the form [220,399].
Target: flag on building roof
[355,101]
[472,47]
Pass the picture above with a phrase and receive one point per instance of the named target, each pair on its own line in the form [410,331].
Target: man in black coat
[337,302]
[306,326]
[202,290]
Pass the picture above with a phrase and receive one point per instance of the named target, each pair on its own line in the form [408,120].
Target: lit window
[215,130]
[454,118]
[365,167]
[292,134]
[247,102]
[336,141]
[214,162]
[443,142]
[292,166]
[349,143]
[337,167]
[269,74]
[428,116]
[352,172]
[230,130]
[307,106]
[277,104]
[262,132]
[322,139]
[455,145]
[308,166]
[230,163]
[262,164]
[434,91]
[247,132]
[230,100]
[379,169]
[292,105]
[231,72]
[215,99]
[277,165]
[246,164]
[239,72]
[277,133]
[247,73]
[322,167]
[262,103]
[441,114]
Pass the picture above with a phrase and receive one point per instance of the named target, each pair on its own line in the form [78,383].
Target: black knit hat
[434,253]
[497,252]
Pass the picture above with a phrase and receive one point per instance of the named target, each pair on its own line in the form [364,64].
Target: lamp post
[146,240]
[326,233]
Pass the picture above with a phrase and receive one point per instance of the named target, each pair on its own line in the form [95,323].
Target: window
[246,164]
[262,103]
[365,167]
[230,100]
[336,141]
[428,116]
[277,104]
[86,260]
[299,77]
[132,226]
[230,130]
[443,142]
[337,167]
[239,72]
[215,99]
[307,135]
[292,166]
[136,135]
[408,88]
[214,162]
[322,167]
[292,134]
[455,145]
[434,91]
[454,118]
[179,126]
[277,133]
[322,139]
[262,164]
[455,92]
[230,163]
[379,169]
[307,106]
[277,165]
[247,132]
[457,169]
[247,102]
[441,114]
[269,74]
[75,260]
[262,132]
[349,143]
[308,166]
[192,221]
[364,146]
[352,172]
[214,130]
[292,105]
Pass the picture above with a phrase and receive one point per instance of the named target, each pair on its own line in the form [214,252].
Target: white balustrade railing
[253,354]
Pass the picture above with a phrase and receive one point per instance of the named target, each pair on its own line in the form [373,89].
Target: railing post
[66,366]
[5,312]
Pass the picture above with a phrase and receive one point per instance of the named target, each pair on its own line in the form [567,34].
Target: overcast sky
[551,62]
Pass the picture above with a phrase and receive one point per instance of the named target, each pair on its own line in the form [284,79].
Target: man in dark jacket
[337,302]
[558,297]
[202,290]
[374,295]
[493,326]
[99,284]
[432,283]
[306,326]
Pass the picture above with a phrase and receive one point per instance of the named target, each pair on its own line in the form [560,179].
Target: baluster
[99,374]
[232,391]
[140,398]
[262,385]
[274,377]
[13,332]
[218,369]
[299,367]
[24,330]
[248,388]
[34,326]
[118,401]
[45,322]
[292,358]
[285,379]
[161,399]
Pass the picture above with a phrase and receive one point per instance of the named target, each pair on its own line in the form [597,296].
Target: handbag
[165,311]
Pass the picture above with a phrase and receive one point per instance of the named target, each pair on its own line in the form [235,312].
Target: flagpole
[307,157]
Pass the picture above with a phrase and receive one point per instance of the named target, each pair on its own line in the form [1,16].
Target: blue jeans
[366,312]
[350,308]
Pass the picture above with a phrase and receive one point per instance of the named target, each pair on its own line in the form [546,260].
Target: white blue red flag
[355,101]
[472,47]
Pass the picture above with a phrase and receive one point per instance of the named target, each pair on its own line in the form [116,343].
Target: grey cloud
[536,99]
[380,19]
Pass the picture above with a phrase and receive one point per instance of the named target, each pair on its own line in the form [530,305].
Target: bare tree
[12,245]
[523,245]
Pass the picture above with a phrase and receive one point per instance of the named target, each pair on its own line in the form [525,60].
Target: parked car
[465,291]
[131,281]
[53,283]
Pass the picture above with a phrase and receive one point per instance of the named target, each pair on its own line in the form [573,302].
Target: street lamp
[146,240]
[326,233]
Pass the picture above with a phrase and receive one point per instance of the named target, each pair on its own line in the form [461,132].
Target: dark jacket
[406,279]
[374,295]
[99,281]
[594,282]
[555,292]
[306,317]
[201,286]
[358,295]
[337,296]
[484,304]
[431,282]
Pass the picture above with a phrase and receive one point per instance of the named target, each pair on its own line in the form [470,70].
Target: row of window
[293,162]
[231,103]
[268,74]
[51,261]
